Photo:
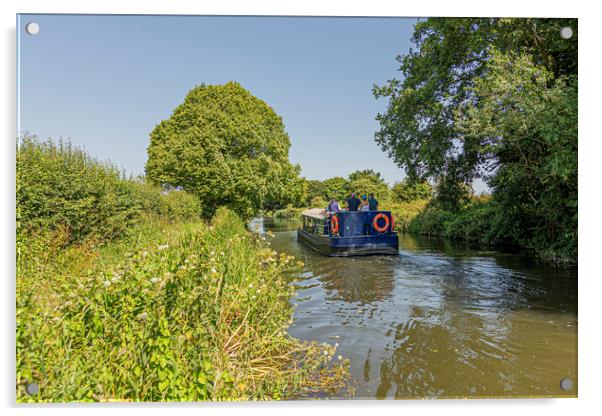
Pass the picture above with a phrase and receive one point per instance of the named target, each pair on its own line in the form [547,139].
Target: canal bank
[439,320]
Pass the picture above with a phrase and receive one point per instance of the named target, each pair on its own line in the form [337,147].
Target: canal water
[438,320]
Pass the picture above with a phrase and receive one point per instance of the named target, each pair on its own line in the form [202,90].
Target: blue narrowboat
[349,233]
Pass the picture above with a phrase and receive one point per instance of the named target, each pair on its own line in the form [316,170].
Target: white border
[590,155]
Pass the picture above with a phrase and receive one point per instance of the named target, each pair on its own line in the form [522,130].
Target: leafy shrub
[431,221]
[404,212]
[472,224]
[60,186]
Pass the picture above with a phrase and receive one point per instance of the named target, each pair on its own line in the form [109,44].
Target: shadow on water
[439,320]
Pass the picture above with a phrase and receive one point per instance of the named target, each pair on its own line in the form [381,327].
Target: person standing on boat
[364,205]
[333,206]
[353,203]
[373,203]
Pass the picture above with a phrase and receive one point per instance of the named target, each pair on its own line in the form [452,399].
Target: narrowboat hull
[386,244]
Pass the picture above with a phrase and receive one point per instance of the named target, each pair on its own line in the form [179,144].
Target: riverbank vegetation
[125,294]
[491,99]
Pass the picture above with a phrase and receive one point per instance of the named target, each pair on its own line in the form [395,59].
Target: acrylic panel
[290,208]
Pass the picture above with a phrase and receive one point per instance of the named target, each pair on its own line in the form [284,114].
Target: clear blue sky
[104,82]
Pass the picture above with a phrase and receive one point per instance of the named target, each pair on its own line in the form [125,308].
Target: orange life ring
[334,224]
[378,227]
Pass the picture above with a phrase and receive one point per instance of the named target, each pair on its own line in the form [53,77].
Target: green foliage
[60,186]
[315,189]
[408,190]
[369,174]
[227,147]
[318,202]
[336,187]
[405,212]
[289,212]
[182,312]
[494,99]
[527,121]
[366,187]
[419,128]
[431,221]
[365,182]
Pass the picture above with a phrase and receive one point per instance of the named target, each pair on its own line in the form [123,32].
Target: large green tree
[526,123]
[419,129]
[229,148]
[494,99]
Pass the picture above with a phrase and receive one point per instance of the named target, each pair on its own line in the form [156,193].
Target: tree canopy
[494,99]
[336,187]
[408,190]
[229,148]
[419,128]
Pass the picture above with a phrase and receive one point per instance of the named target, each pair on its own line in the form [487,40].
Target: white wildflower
[213,270]
[142,316]
[155,279]
[340,357]
[144,253]
[163,247]
[106,283]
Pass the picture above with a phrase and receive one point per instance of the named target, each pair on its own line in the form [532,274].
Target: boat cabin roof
[316,213]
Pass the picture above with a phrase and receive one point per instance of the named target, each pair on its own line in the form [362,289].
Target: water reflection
[440,319]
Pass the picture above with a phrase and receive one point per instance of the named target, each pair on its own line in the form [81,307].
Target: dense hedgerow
[60,186]
[196,313]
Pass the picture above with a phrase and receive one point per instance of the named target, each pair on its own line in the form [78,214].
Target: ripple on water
[440,320]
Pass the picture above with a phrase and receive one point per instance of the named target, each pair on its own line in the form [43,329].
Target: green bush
[473,223]
[194,312]
[404,212]
[431,221]
[60,186]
